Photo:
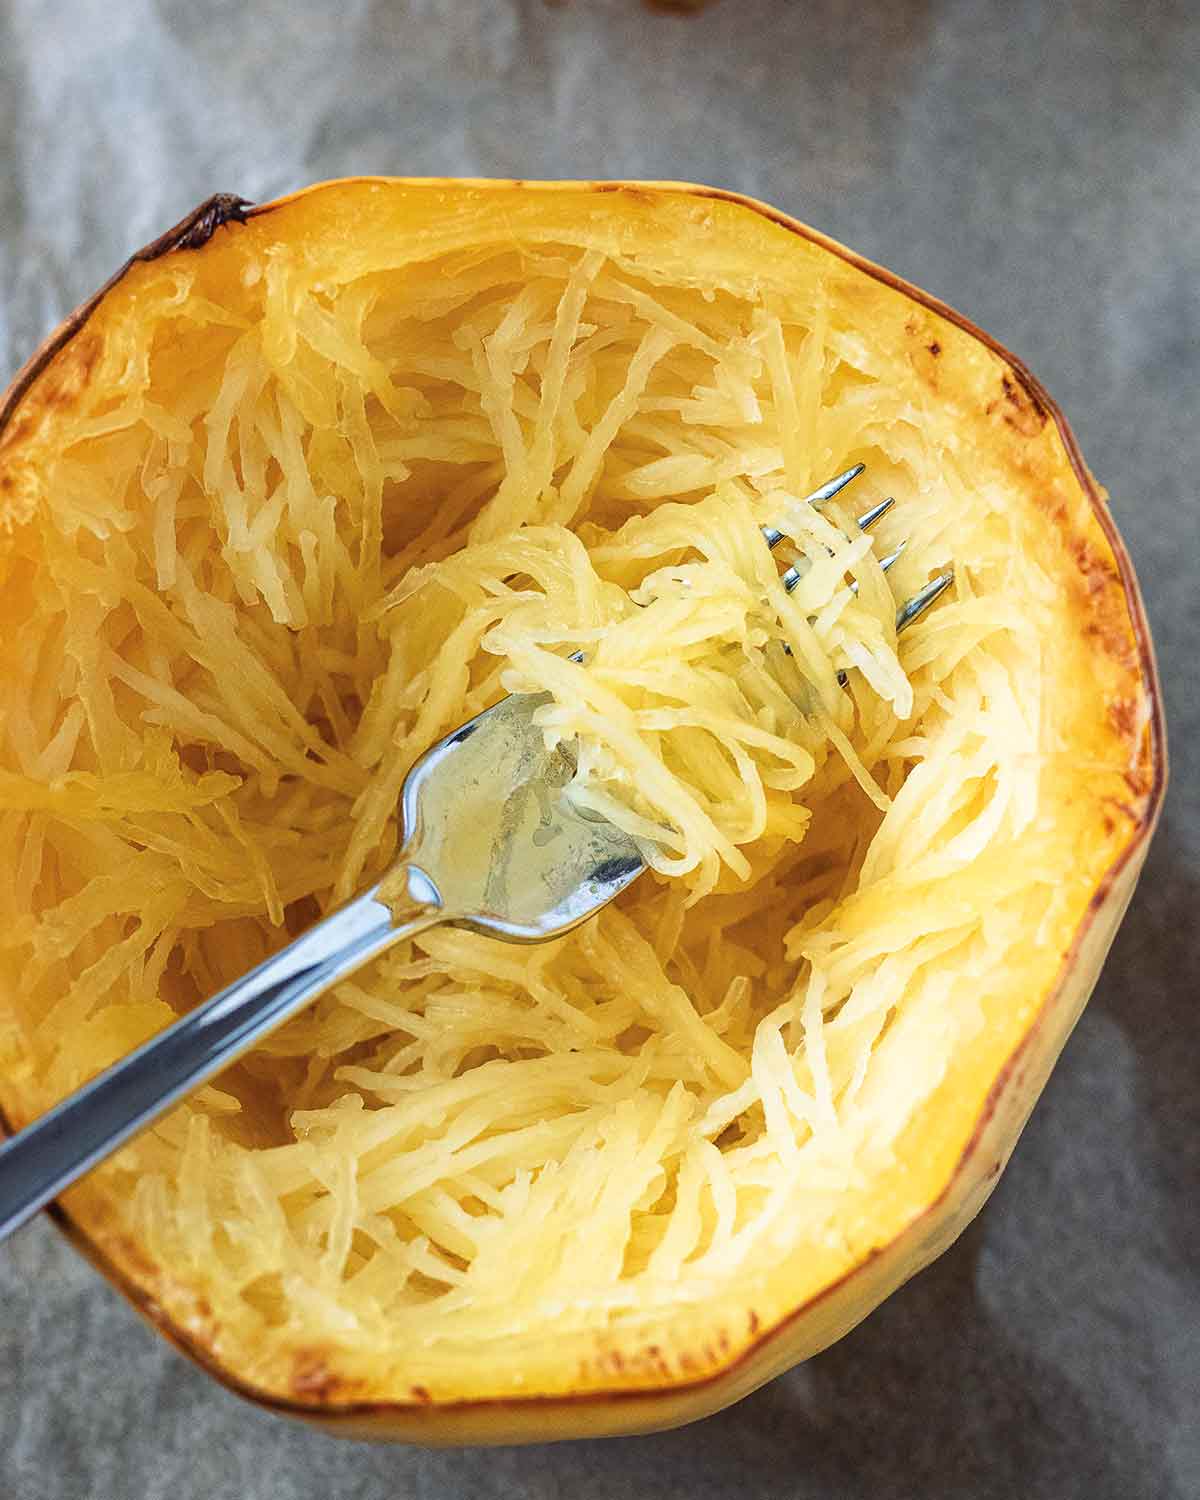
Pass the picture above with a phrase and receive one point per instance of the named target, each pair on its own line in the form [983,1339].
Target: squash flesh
[858,994]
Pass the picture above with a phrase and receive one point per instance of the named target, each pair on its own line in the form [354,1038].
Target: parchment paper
[1035,165]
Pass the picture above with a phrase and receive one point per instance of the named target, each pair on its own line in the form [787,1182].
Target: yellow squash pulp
[315,493]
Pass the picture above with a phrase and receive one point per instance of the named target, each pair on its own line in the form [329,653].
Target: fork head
[485,822]
[489,842]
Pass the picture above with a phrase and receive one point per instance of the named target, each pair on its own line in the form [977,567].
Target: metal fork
[486,844]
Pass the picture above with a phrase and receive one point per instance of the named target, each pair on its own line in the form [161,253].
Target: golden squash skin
[953,1150]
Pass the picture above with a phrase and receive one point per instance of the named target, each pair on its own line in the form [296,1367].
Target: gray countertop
[1035,165]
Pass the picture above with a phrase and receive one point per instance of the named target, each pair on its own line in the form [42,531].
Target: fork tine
[913,608]
[864,523]
[827,491]
[868,518]
[886,562]
[795,573]
[831,487]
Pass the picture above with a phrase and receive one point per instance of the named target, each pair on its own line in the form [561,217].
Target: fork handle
[89,1125]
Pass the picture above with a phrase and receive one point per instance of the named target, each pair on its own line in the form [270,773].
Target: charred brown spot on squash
[1051,503]
[1019,406]
[421,1395]
[1127,810]
[17,431]
[629,193]
[1123,715]
[72,372]
[1109,631]
[924,348]
[314,1380]
[1108,626]
[1097,570]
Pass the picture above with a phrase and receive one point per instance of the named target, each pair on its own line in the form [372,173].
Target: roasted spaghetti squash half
[310,483]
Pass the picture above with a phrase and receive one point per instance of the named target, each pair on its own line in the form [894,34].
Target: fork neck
[412,898]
